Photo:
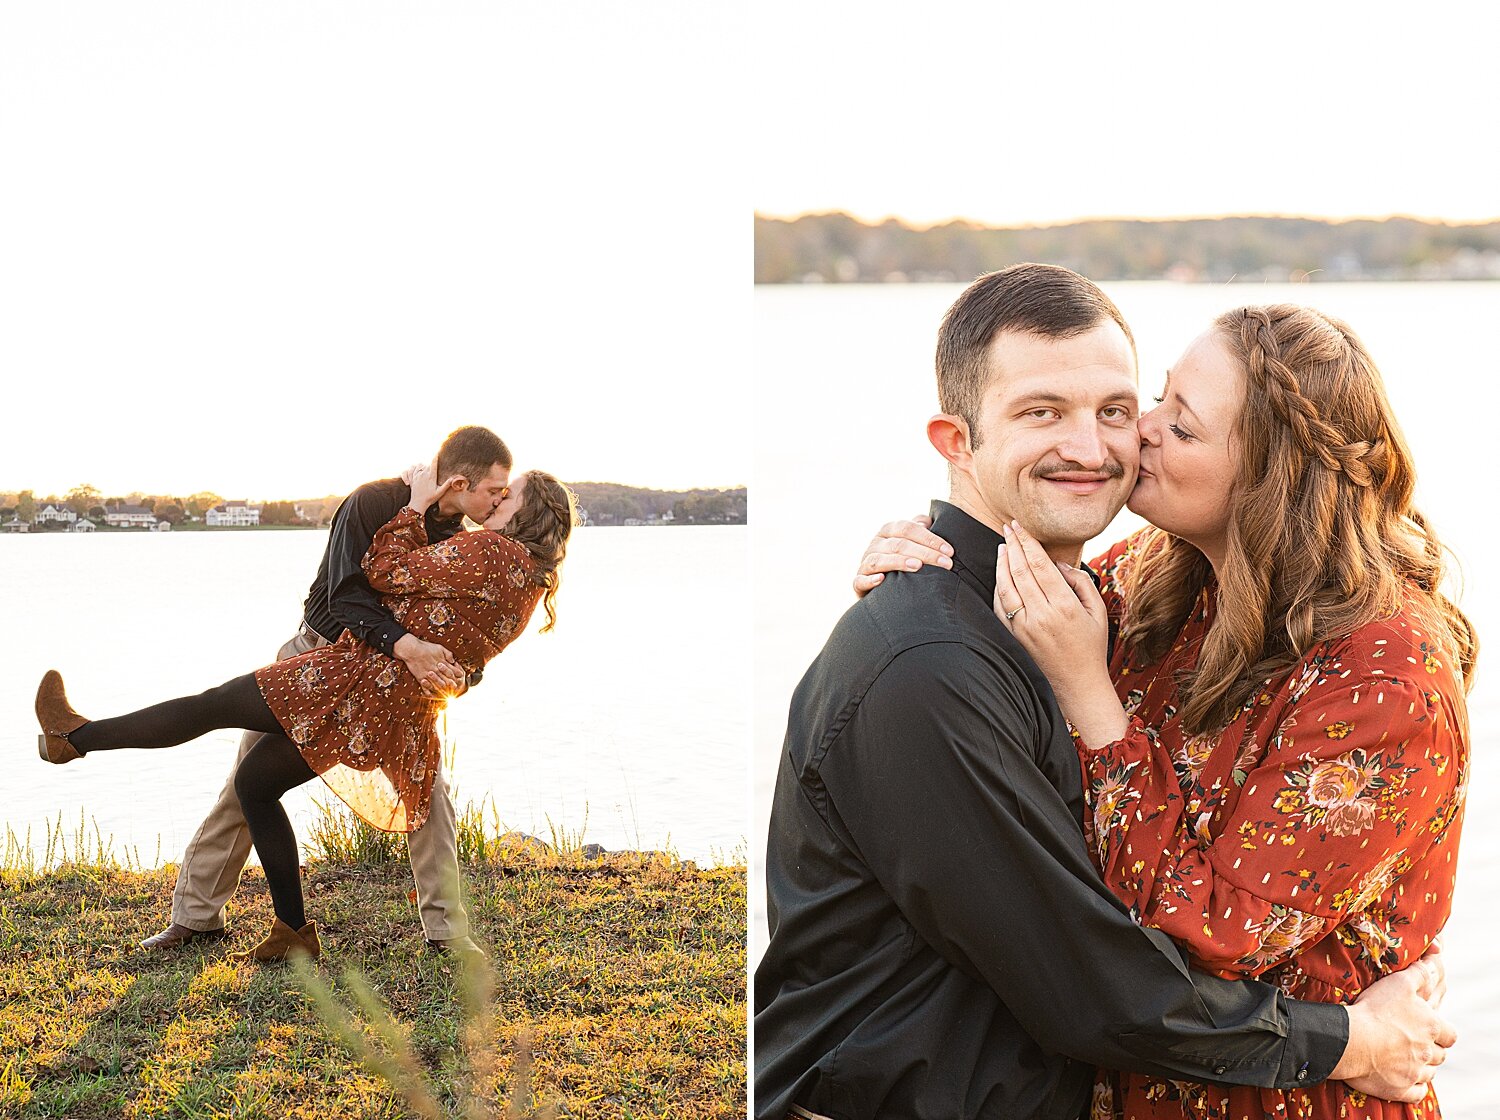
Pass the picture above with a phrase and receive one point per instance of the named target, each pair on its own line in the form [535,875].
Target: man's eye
[1115,412]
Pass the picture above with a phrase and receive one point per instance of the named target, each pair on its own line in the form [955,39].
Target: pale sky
[1012,113]
[277,249]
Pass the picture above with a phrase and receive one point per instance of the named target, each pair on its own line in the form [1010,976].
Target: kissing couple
[407,606]
[1172,835]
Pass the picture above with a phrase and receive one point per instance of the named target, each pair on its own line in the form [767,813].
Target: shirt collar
[435,520]
[974,543]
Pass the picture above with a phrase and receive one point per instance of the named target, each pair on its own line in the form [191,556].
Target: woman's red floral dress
[1312,843]
[360,717]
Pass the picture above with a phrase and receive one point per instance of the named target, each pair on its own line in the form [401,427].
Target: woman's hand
[901,546]
[1055,612]
[425,488]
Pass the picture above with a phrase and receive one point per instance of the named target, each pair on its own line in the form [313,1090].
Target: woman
[1276,749]
[348,712]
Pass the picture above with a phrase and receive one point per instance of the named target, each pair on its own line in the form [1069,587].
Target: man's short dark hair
[1040,299]
[472,452]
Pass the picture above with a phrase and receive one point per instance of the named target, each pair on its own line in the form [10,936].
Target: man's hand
[1397,1040]
[437,670]
[447,690]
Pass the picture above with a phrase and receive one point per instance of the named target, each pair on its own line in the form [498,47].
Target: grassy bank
[627,975]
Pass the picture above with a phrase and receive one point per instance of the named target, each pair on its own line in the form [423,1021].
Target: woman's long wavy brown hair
[543,524]
[1323,537]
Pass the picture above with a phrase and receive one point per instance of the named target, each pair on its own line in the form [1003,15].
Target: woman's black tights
[269,768]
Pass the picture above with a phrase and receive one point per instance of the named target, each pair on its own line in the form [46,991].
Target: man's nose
[1084,444]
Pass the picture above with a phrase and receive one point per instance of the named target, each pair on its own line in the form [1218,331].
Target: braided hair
[1323,535]
[543,524]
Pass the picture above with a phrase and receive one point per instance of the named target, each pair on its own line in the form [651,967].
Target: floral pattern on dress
[308,678]
[359,716]
[1312,842]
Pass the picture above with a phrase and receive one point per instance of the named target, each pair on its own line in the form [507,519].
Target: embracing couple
[1141,839]
[405,610]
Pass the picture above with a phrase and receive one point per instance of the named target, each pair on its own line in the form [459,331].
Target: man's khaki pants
[217,853]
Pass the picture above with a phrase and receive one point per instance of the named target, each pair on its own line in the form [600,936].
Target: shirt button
[1221,1069]
[1302,1075]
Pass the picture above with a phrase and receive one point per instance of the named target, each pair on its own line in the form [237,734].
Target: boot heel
[55,749]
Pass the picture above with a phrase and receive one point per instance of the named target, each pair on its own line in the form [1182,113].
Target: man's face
[1057,443]
[506,510]
[479,499]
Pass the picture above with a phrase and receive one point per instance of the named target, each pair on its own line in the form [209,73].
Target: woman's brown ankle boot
[58,720]
[283,941]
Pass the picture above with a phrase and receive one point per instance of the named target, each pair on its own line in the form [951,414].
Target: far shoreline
[228,529]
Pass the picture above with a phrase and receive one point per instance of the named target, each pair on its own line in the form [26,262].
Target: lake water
[631,717]
[844,387]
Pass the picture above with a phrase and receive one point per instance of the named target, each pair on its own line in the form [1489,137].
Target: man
[941,945]
[341,598]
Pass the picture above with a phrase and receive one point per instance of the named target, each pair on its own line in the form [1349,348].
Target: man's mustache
[1049,468]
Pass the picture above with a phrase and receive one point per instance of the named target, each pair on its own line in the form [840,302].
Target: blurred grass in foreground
[618,989]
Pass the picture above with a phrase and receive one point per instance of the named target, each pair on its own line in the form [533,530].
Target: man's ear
[950,435]
[459,483]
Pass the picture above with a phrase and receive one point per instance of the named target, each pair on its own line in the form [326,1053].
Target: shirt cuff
[385,636]
[1317,1035]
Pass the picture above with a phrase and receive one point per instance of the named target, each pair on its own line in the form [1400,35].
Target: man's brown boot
[58,720]
[176,936]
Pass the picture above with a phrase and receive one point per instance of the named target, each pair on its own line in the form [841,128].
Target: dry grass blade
[520,1082]
[393,1059]
[477,983]
[398,1067]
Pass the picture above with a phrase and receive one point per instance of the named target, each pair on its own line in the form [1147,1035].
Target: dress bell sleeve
[1356,781]
[478,564]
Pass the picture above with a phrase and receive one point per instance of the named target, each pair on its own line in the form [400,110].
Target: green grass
[338,836]
[618,991]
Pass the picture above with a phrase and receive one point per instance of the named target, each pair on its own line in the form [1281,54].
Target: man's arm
[948,808]
[351,599]
[353,602]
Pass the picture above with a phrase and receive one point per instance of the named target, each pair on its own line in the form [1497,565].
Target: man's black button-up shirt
[341,597]
[941,944]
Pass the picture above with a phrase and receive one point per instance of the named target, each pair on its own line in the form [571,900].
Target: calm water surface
[844,389]
[629,721]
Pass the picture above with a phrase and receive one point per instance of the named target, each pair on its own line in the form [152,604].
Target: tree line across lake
[838,248]
[610,503]
[601,503]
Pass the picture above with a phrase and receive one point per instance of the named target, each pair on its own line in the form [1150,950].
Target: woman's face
[1188,458]
[500,519]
